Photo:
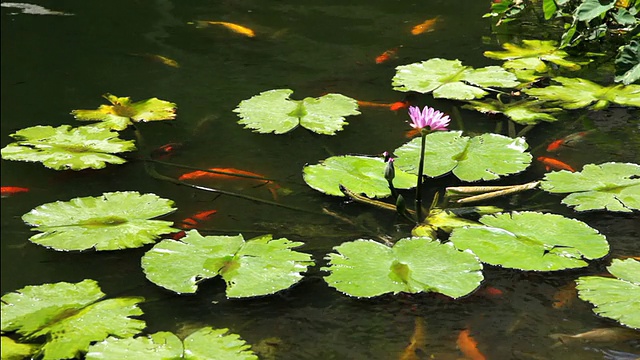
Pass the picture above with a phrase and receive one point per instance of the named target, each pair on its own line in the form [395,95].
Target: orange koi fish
[426,26]
[568,140]
[232,174]
[555,164]
[192,222]
[399,105]
[387,55]
[418,341]
[491,291]
[165,150]
[565,296]
[393,106]
[160,59]
[238,29]
[410,134]
[12,190]
[469,346]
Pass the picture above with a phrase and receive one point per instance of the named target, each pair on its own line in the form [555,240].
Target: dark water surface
[53,64]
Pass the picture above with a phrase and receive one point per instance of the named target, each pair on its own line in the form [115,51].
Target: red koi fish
[192,222]
[387,55]
[568,140]
[469,346]
[12,190]
[410,134]
[555,164]
[399,105]
[424,27]
[233,174]
[393,106]
[165,150]
[565,296]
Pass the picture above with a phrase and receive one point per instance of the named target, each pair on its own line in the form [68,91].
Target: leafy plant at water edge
[532,241]
[70,316]
[64,147]
[123,112]
[273,112]
[204,344]
[365,268]
[113,221]
[628,63]
[575,93]
[450,79]
[259,266]
[609,186]
[618,298]
[484,157]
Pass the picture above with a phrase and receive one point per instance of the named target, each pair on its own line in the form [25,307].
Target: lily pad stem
[420,172]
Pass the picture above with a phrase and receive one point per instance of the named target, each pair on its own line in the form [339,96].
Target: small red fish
[386,56]
[232,174]
[410,134]
[192,222]
[565,296]
[399,105]
[166,150]
[393,106]
[555,164]
[568,140]
[469,346]
[492,291]
[12,190]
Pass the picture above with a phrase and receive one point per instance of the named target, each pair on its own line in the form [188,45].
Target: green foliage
[618,298]
[64,147]
[628,63]
[259,266]
[536,52]
[532,241]
[123,112]
[69,315]
[273,112]
[610,186]
[484,157]
[575,93]
[360,174]
[524,112]
[113,221]
[12,350]
[450,79]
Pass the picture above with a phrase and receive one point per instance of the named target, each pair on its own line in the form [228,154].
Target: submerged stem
[419,185]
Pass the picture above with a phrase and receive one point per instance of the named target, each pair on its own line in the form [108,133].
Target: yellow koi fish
[417,342]
[238,29]
[160,59]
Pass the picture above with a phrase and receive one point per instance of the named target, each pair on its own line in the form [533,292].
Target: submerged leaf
[610,186]
[575,93]
[532,241]
[535,52]
[65,147]
[365,268]
[619,298]
[112,221]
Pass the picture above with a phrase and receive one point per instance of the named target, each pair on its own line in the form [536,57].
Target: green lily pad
[259,266]
[69,315]
[575,93]
[360,174]
[113,221]
[365,268]
[159,346]
[213,344]
[64,147]
[610,186]
[535,52]
[449,219]
[450,79]
[532,241]
[123,112]
[484,157]
[273,112]
[617,299]
[12,350]
[523,112]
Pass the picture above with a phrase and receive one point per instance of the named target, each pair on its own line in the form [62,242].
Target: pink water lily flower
[429,118]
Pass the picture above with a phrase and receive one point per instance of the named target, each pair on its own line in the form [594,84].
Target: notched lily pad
[113,221]
[618,298]
[536,52]
[260,266]
[524,112]
[123,112]
[273,112]
[532,241]
[484,157]
[365,268]
[64,147]
[610,186]
[575,93]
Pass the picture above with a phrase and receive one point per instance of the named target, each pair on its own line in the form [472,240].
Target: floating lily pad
[450,79]
[532,241]
[113,221]
[365,268]
[259,266]
[575,93]
[484,157]
[617,299]
[123,112]
[12,350]
[273,112]
[64,147]
[69,315]
[449,219]
[610,186]
[360,174]
[535,53]
[522,112]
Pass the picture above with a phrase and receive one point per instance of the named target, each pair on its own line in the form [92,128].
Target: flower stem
[419,185]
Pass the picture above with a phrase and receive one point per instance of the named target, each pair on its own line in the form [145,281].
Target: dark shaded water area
[54,64]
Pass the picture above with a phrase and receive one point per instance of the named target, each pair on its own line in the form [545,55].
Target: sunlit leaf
[532,241]
[65,147]
[365,268]
[273,112]
[522,112]
[575,93]
[158,346]
[214,344]
[360,174]
[484,157]
[449,219]
[591,9]
[536,52]
[450,79]
[618,298]
[123,112]
[69,315]
[12,350]
[259,266]
[113,221]
[628,63]
[610,186]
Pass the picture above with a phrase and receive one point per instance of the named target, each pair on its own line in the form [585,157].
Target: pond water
[54,64]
